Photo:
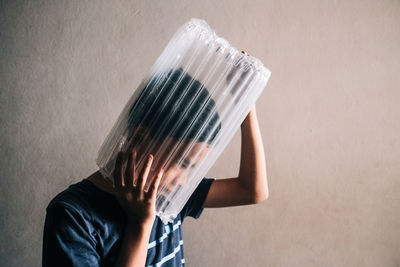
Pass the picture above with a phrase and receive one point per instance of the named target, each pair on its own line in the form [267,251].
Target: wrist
[250,118]
[144,225]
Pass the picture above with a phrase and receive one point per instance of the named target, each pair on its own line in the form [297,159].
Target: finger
[129,171]
[154,185]
[245,53]
[144,173]
[134,163]
[118,171]
[124,167]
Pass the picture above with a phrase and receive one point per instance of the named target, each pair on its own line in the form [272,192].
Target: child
[99,223]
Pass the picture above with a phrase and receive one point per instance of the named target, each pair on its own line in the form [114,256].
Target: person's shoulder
[194,205]
[78,196]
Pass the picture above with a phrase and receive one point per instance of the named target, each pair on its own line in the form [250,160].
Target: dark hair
[180,102]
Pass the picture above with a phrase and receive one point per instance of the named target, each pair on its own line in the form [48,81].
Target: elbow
[255,193]
[260,197]
[262,194]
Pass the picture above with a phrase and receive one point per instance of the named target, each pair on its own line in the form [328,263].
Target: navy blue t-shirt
[84,227]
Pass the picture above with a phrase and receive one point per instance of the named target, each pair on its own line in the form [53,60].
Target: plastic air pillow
[185,112]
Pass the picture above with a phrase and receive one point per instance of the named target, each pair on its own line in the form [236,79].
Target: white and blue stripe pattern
[165,247]
[170,256]
[168,231]
[169,246]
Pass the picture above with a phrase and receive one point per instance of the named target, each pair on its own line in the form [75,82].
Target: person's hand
[138,204]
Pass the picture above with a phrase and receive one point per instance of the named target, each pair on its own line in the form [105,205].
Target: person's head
[174,111]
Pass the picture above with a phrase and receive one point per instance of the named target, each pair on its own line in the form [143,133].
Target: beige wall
[329,117]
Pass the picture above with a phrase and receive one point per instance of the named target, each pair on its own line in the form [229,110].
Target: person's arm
[139,208]
[251,185]
[133,249]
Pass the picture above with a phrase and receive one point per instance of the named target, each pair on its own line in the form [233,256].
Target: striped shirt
[84,227]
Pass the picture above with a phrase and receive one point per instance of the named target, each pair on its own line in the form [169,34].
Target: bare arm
[251,185]
[133,249]
[253,171]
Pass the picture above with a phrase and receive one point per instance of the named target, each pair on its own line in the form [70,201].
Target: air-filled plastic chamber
[185,112]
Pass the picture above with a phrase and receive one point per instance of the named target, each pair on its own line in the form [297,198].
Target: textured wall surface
[329,117]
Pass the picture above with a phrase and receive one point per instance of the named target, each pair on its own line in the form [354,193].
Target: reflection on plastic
[185,112]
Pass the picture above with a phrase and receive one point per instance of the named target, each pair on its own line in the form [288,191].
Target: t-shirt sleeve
[194,206]
[66,240]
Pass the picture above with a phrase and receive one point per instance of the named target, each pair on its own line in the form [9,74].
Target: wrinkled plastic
[185,112]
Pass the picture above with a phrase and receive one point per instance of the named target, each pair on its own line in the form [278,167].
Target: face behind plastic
[173,156]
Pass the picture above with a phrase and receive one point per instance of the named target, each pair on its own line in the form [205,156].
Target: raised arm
[251,186]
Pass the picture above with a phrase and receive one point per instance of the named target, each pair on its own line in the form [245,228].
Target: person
[96,222]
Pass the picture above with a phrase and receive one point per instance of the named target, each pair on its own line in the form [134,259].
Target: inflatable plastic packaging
[185,112]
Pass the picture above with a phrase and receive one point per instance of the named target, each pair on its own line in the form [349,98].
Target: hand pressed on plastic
[138,204]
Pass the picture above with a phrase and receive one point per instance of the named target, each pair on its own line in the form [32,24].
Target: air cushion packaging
[185,112]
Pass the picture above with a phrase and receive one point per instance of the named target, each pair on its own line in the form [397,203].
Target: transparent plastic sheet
[185,112]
